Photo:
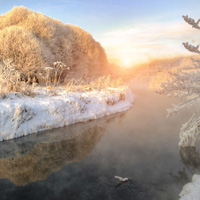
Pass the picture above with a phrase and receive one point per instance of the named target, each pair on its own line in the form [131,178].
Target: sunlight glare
[127,62]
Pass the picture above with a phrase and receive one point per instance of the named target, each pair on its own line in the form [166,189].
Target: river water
[80,162]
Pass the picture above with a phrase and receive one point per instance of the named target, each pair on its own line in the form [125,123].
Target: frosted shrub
[34,41]
[24,49]
[59,67]
[10,80]
[9,77]
[53,75]
[186,84]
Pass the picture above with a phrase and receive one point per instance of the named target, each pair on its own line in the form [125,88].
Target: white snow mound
[21,115]
[191,191]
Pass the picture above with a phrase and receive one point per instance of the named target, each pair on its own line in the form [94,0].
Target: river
[80,162]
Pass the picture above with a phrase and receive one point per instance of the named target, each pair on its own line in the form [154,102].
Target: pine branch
[192,22]
[191,48]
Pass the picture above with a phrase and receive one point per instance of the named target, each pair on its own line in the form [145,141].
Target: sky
[131,31]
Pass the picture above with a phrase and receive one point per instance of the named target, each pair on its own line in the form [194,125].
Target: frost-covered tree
[186,84]
[33,41]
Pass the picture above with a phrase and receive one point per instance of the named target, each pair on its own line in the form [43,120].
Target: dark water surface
[79,162]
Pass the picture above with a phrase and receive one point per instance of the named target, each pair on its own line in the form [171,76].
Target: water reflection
[190,158]
[34,158]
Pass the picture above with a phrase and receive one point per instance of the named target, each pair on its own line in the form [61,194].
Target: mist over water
[80,161]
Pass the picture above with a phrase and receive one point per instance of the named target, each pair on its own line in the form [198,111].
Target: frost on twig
[189,132]
[192,22]
[183,84]
[183,105]
[186,85]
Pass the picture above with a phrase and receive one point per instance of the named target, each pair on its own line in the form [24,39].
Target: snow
[21,115]
[122,179]
[191,190]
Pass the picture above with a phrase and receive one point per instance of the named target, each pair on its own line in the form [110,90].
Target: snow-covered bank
[20,115]
[191,191]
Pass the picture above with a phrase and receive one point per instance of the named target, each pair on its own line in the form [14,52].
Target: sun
[126,62]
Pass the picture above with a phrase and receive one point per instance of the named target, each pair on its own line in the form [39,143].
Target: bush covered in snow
[33,41]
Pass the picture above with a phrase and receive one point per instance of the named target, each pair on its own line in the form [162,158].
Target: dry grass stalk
[10,80]
[101,84]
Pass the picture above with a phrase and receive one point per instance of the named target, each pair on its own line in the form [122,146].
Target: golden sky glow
[131,31]
[139,44]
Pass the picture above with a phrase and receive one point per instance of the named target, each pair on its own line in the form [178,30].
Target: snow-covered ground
[191,191]
[22,115]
